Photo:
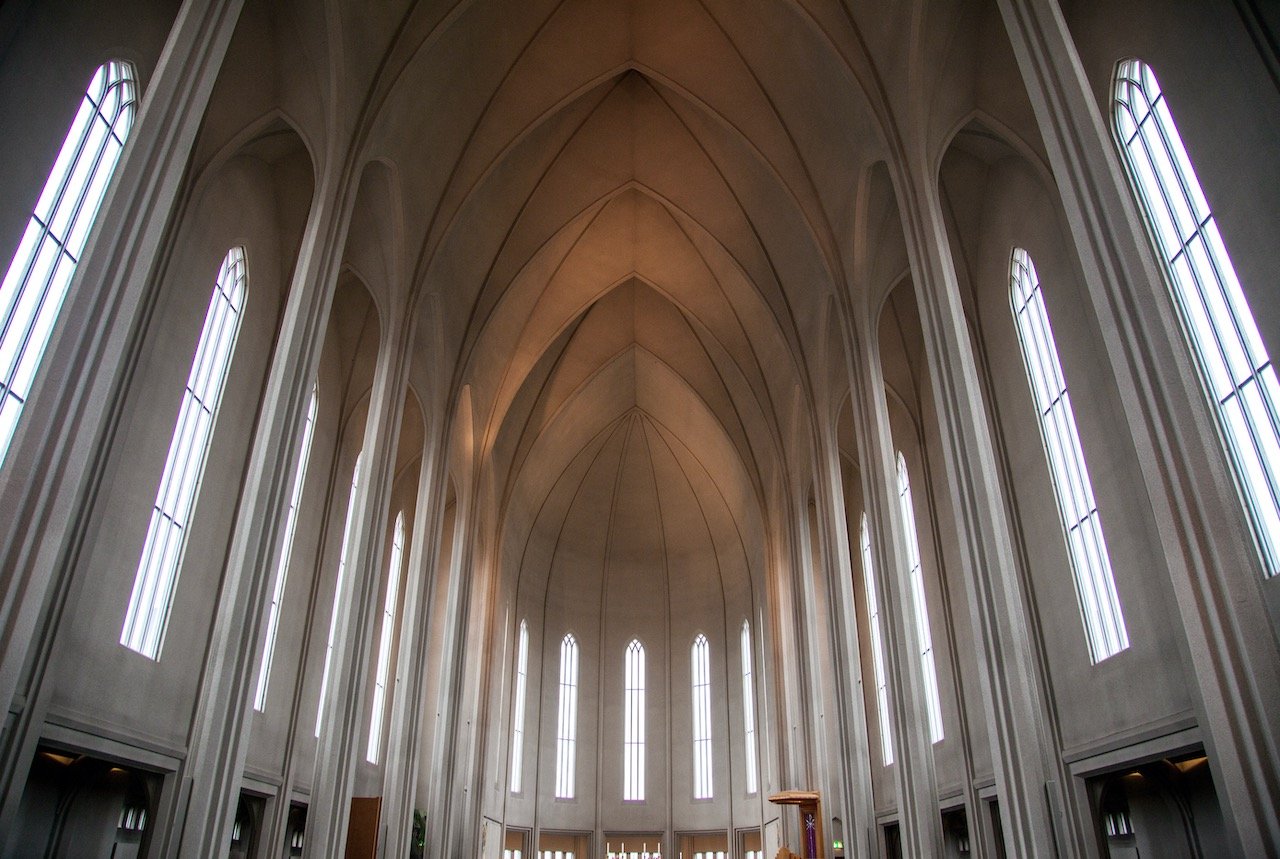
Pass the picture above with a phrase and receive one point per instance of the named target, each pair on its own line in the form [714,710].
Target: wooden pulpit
[810,806]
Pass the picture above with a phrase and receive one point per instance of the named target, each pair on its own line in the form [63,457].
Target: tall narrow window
[36,283]
[517,714]
[633,723]
[1235,368]
[394,568]
[337,589]
[1095,586]
[700,665]
[567,718]
[153,586]
[749,710]
[877,646]
[282,568]
[918,601]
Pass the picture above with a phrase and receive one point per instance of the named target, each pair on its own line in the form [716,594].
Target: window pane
[40,272]
[877,647]
[633,723]
[700,664]
[337,588]
[282,568]
[567,721]
[1081,523]
[157,575]
[1216,317]
[749,710]
[517,717]
[932,700]
[394,569]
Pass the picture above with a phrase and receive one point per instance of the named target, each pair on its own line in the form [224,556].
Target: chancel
[552,429]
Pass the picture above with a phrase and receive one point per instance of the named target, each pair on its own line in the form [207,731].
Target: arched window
[282,568]
[877,646]
[152,596]
[36,282]
[700,665]
[633,723]
[918,602]
[567,718]
[517,714]
[394,569]
[1081,522]
[337,588]
[749,710]
[1235,368]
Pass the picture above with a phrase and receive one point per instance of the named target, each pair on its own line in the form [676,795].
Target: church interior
[640,429]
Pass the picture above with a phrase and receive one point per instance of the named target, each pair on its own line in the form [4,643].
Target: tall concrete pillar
[405,752]
[920,824]
[1027,766]
[342,742]
[854,756]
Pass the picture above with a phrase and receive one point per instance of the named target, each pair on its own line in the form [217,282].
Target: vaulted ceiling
[631,206]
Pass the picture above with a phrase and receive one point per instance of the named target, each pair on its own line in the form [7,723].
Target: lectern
[810,820]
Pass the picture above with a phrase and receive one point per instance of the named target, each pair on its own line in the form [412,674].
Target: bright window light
[517,715]
[633,723]
[918,602]
[749,711]
[877,647]
[337,589]
[1235,367]
[394,568]
[1095,586]
[36,282]
[567,720]
[282,568]
[153,586]
[700,664]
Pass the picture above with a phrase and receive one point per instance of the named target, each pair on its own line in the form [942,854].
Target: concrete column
[219,740]
[1207,551]
[1027,766]
[441,800]
[342,741]
[920,823]
[780,670]
[404,751]
[855,749]
[57,454]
